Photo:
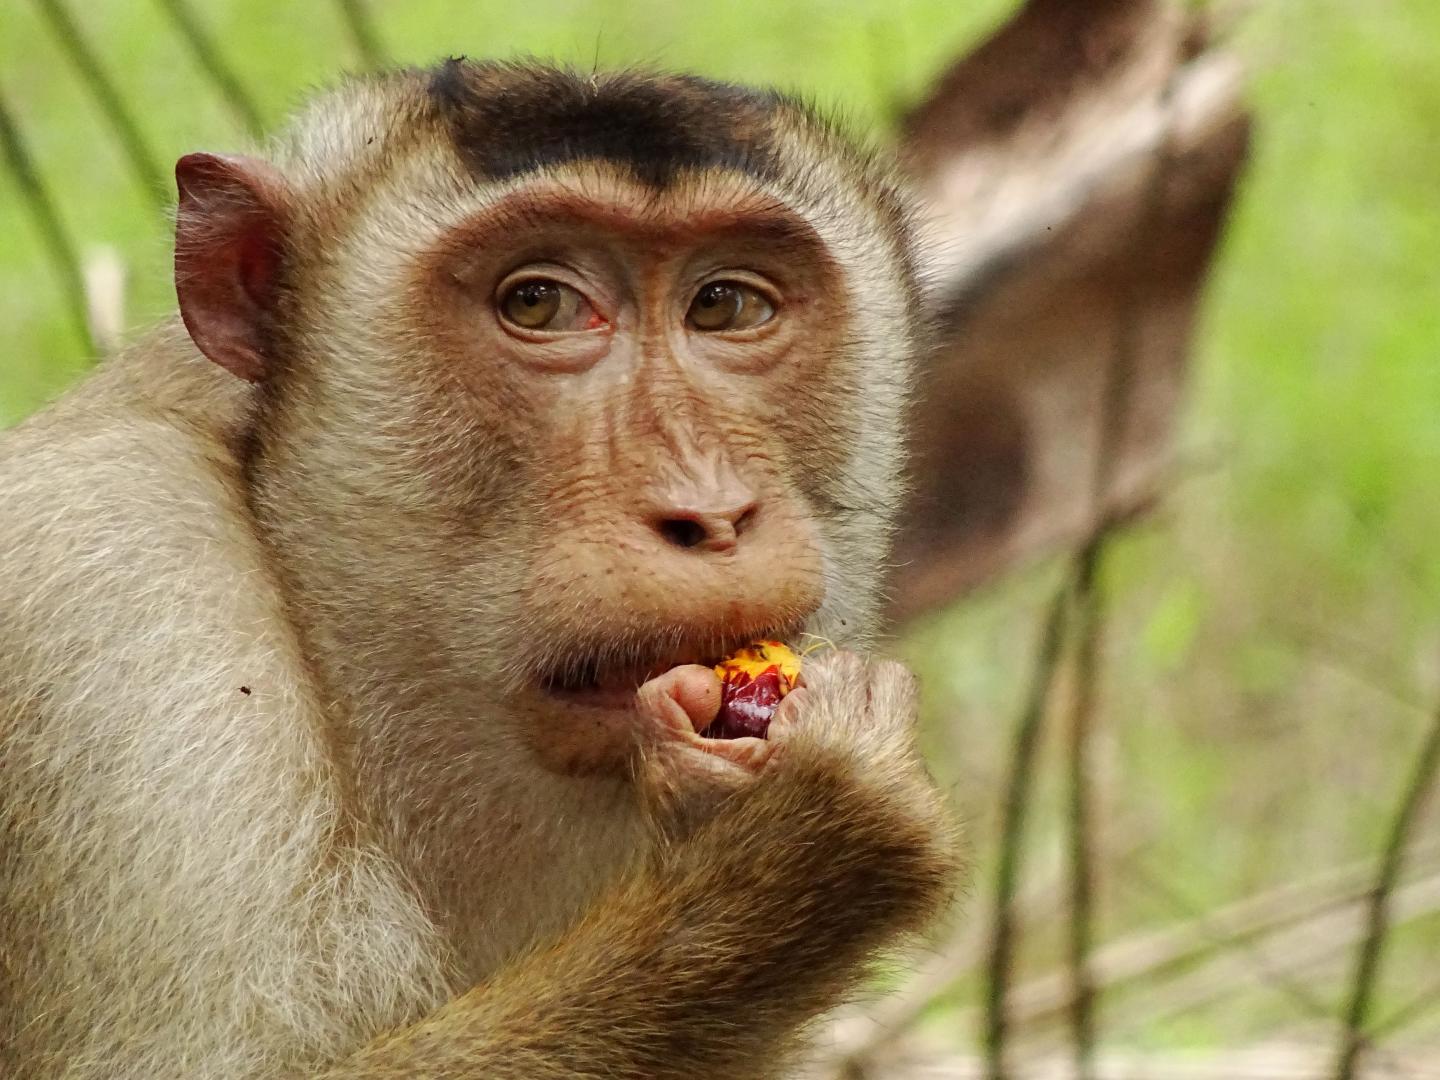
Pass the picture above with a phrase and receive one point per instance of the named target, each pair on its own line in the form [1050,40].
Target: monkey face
[547,407]
[655,368]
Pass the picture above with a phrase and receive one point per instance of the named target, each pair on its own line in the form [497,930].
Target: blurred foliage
[1274,632]
[1274,636]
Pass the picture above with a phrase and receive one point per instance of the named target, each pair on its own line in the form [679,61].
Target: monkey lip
[593,678]
[603,686]
[610,698]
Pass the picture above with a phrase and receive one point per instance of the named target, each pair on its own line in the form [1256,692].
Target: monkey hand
[848,733]
[683,776]
[803,855]
[853,710]
[839,779]
[859,817]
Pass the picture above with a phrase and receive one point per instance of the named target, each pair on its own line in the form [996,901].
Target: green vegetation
[1273,637]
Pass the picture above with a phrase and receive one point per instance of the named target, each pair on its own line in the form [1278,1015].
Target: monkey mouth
[598,680]
[608,676]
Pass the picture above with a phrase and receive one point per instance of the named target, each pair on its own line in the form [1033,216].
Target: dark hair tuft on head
[507,119]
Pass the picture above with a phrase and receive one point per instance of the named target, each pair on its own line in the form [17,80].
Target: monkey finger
[839,683]
[684,700]
[789,715]
[683,785]
[894,694]
[746,752]
[681,703]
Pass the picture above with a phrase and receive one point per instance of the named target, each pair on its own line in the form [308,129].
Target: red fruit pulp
[747,705]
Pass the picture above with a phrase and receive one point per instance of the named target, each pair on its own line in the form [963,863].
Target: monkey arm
[707,962]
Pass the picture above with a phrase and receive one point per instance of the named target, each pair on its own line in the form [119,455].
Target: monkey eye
[728,305]
[543,304]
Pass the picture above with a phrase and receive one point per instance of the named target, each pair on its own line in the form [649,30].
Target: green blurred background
[1273,645]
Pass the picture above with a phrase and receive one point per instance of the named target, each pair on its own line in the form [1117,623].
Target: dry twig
[1327,903]
[1287,950]
[1253,924]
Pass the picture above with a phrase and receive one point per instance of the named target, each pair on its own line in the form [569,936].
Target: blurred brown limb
[1037,155]
[143,161]
[1077,165]
[360,24]
[203,48]
[1378,914]
[52,230]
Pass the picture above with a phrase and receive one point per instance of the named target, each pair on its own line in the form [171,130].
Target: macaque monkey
[501,391]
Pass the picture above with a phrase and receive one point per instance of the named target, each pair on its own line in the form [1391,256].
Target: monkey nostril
[706,529]
[683,532]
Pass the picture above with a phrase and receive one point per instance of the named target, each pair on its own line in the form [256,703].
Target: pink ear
[229,241]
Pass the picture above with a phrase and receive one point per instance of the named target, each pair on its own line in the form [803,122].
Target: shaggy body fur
[265,795]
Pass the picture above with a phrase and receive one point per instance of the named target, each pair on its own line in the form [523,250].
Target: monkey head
[559,380]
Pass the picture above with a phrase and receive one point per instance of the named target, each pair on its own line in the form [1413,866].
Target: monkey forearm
[704,964]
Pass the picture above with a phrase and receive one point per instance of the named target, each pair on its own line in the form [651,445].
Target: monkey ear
[229,243]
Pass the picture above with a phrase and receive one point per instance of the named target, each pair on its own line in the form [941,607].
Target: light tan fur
[271,800]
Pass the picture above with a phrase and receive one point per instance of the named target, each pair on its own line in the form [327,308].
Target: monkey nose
[712,528]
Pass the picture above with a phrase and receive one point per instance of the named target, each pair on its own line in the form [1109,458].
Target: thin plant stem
[1020,775]
[208,56]
[143,162]
[52,230]
[1089,615]
[1115,407]
[361,25]
[1372,946]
